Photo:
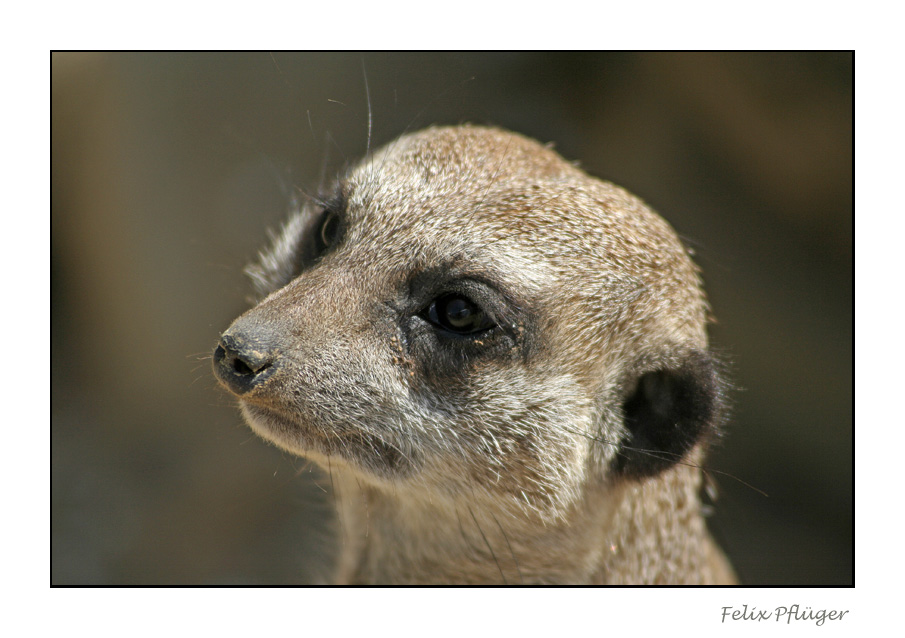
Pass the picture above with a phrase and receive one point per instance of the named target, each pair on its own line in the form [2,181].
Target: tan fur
[491,461]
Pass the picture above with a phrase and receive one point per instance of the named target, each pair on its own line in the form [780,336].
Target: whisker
[370,112]
[663,455]
[486,542]
[509,545]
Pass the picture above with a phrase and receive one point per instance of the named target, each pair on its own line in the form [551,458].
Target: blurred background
[168,169]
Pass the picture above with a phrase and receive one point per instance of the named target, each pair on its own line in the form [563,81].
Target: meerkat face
[471,315]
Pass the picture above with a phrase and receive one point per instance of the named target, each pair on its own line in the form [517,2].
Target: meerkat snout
[502,362]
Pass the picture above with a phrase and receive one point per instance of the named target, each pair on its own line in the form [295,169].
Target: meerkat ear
[306,235]
[670,410]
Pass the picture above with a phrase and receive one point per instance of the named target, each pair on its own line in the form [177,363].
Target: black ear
[670,410]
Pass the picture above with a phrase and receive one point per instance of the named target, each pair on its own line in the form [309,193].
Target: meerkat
[501,361]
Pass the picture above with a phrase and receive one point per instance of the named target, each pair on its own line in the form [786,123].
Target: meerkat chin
[502,361]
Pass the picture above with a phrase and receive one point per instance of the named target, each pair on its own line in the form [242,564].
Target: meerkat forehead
[461,174]
[472,155]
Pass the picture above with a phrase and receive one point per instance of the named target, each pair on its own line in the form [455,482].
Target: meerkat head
[470,316]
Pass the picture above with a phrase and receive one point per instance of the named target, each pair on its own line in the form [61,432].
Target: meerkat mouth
[359,448]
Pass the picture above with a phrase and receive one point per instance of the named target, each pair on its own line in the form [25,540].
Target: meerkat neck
[388,539]
[650,533]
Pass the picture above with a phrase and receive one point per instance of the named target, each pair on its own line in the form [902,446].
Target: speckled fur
[492,463]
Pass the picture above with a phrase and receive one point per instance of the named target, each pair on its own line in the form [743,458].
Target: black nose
[243,362]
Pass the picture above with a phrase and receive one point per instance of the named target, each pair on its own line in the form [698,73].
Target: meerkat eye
[329,229]
[458,314]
